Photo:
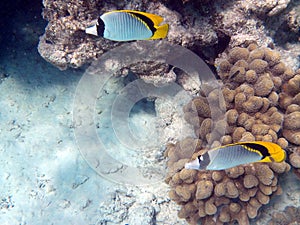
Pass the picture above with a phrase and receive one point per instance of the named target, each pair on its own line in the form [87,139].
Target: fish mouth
[91,30]
[192,164]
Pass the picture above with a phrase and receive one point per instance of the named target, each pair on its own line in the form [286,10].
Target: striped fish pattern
[232,155]
[129,25]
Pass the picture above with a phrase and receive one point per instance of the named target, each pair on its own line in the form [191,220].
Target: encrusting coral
[262,103]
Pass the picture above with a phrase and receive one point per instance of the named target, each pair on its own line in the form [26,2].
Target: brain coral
[262,100]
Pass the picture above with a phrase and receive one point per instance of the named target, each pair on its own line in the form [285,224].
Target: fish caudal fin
[276,153]
[161,32]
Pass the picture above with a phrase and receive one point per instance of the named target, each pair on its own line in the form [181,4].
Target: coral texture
[293,19]
[290,215]
[289,100]
[256,101]
[193,24]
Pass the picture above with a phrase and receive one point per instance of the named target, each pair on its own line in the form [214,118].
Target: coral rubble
[261,98]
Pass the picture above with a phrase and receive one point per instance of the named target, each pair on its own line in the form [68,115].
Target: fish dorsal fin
[155,18]
[251,149]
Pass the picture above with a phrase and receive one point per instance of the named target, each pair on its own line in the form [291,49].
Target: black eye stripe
[100,27]
[205,160]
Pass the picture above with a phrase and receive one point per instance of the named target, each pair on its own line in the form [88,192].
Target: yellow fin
[267,159]
[161,32]
[155,18]
[277,154]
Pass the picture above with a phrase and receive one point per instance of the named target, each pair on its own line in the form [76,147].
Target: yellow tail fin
[161,31]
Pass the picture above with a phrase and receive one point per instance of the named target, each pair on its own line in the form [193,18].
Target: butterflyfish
[231,155]
[129,25]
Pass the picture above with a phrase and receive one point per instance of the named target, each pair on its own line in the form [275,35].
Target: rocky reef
[198,25]
[260,97]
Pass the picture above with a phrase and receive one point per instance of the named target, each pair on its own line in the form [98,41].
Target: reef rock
[65,43]
[198,25]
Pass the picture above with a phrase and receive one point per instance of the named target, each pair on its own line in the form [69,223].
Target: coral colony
[262,101]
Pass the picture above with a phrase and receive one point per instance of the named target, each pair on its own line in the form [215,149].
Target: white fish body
[122,26]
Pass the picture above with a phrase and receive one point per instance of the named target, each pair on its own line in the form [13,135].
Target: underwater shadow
[19,57]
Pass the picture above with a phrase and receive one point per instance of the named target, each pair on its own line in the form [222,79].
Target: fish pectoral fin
[161,32]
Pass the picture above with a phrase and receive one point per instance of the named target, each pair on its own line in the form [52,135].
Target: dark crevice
[283,35]
[210,53]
